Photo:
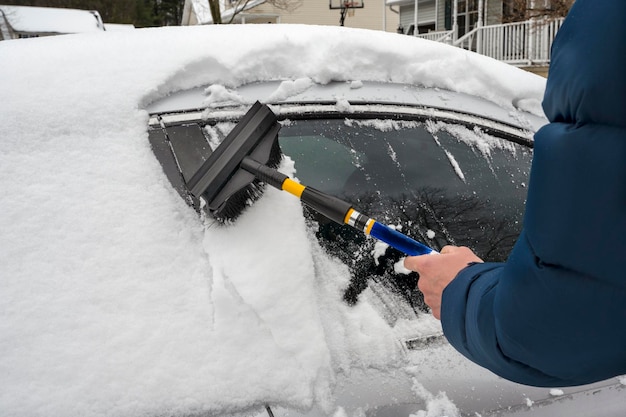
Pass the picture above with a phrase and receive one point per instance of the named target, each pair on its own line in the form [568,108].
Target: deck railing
[445,36]
[518,43]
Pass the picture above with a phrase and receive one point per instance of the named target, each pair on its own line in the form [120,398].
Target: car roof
[348,93]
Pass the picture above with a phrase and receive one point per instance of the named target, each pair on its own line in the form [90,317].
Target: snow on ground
[115,297]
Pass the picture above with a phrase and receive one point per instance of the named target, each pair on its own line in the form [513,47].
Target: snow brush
[233,175]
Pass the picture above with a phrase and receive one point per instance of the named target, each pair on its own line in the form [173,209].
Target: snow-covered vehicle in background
[118,299]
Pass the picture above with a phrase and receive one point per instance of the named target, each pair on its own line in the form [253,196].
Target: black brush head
[221,184]
[245,196]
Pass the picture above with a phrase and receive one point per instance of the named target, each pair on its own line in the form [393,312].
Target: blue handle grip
[398,240]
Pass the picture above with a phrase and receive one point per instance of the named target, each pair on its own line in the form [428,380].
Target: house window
[467,16]
[513,11]
[426,15]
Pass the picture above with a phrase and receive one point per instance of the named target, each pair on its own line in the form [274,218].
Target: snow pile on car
[116,298]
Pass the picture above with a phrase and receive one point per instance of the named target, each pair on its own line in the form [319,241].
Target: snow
[356,84]
[555,392]
[290,88]
[343,105]
[51,20]
[436,405]
[118,26]
[380,248]
[220,95]
[116,299]
[455,165]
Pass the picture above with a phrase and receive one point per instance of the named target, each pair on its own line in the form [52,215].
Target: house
[438,15]
[374,15]
[27,22]
[476,25]
[479,25]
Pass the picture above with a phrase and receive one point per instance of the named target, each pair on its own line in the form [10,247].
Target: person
[554,314]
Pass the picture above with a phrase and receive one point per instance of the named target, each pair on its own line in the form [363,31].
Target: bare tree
[520,10]
[216,12]
[238,6]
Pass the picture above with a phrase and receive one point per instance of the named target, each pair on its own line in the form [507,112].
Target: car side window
[449,183]
[328,162]
[441,183]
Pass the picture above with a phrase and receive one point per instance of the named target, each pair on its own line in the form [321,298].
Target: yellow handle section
[358,221]
[346,220]
[293,187]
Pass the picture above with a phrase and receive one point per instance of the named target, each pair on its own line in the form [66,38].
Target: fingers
[450,249]
[414,263]
[438,270]
[418,263]
[431,290]
[450,260]
[422,264]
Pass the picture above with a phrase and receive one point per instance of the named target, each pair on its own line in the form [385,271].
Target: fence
[446,36]
[518,43]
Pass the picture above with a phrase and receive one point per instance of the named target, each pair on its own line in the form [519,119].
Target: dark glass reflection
[441,183]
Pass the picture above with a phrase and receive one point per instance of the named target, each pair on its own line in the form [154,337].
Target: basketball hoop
[346,7]
[351,6]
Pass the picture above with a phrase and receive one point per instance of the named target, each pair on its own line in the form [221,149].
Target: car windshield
[440,183]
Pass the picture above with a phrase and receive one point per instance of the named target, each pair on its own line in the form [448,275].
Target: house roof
[51,20]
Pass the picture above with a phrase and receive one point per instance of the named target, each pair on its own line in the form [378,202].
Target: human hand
[438,270]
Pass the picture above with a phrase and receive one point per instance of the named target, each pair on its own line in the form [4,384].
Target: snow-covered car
[446,167]
[119,299]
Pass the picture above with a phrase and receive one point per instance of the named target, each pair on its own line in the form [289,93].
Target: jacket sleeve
[470,326]
[554,313]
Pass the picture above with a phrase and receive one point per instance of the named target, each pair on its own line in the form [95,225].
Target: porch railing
[518,43]
[445,36]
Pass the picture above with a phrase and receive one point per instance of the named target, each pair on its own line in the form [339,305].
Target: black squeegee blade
[220,176]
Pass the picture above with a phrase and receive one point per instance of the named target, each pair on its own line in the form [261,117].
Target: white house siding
[426,13]
[493,12]
[316,12]
[189,14]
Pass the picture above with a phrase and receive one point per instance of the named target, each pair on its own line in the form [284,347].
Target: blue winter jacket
[555,313]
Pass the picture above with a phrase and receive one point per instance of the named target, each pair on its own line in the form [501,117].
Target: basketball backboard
[346,4]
